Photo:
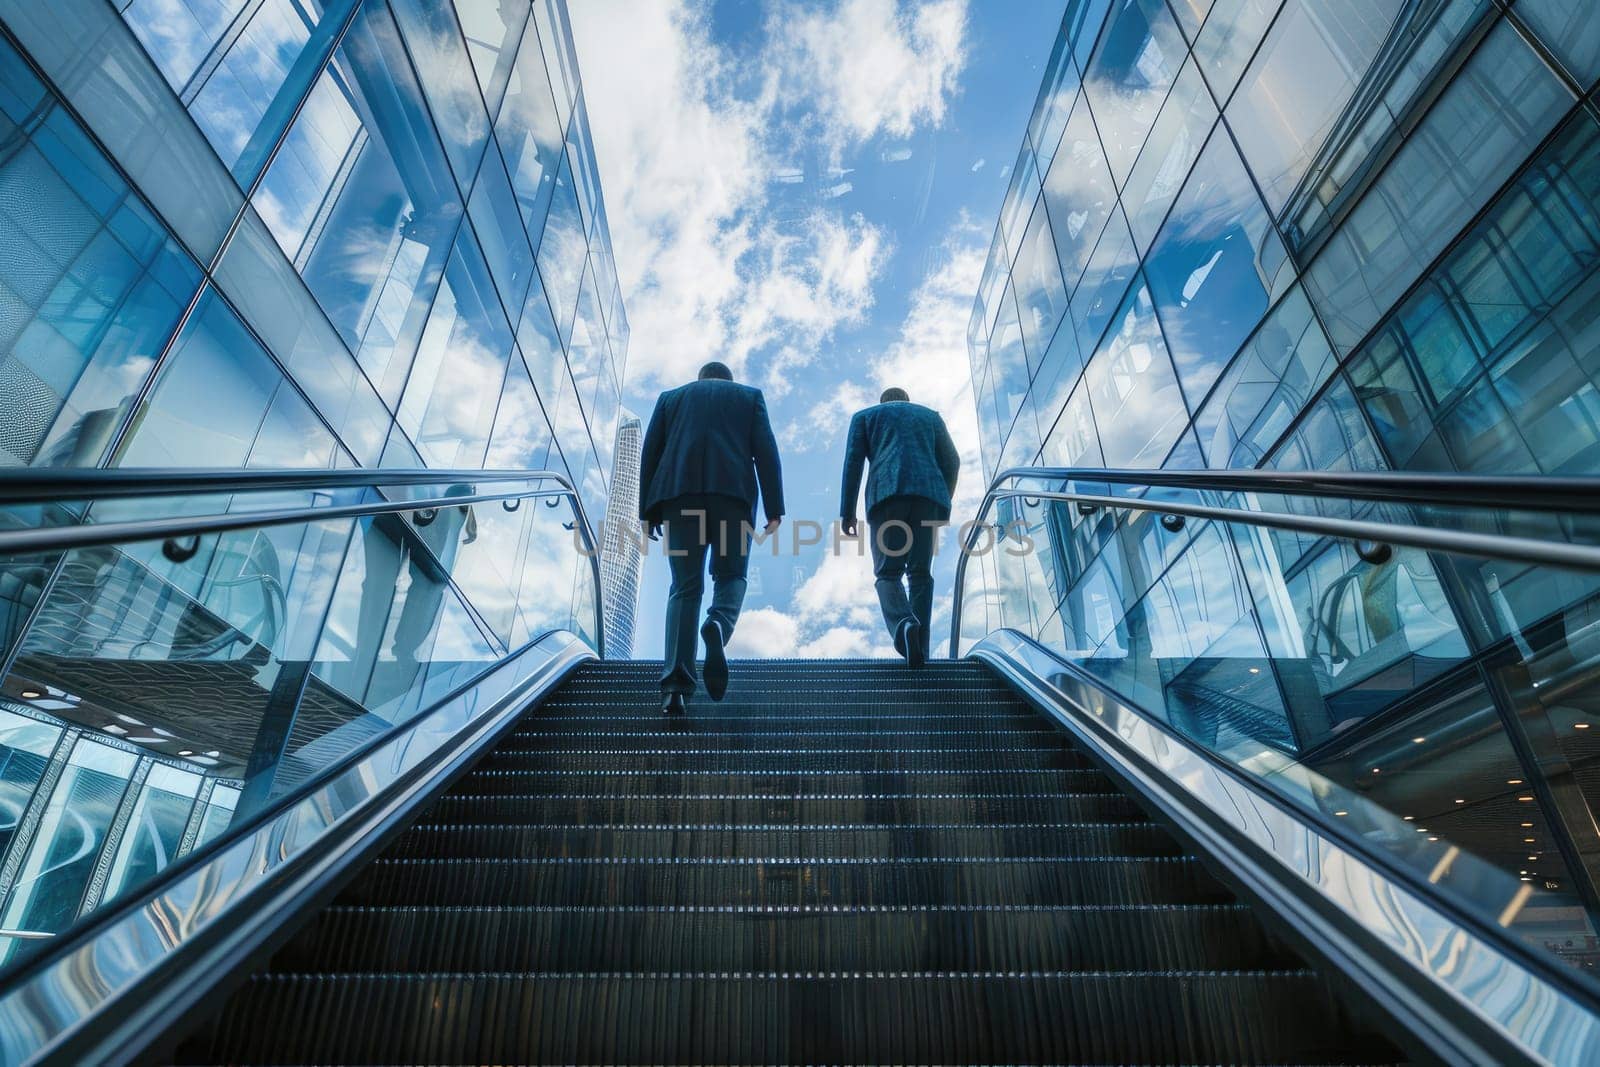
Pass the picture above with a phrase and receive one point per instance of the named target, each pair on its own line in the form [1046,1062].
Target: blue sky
[807,192]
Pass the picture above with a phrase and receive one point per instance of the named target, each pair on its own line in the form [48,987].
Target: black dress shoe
[672,704]
[911,638]
[716,672]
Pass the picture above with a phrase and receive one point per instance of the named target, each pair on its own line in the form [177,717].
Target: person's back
[710,443]
[707,453]
[912,478]
[910,452]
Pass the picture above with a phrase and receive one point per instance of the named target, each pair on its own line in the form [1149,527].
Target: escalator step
[780,880]
[614,809]
[716,938]
[1178,1016]
[578,739]
[842,862]
[797,761]
[778,782]
[888,843]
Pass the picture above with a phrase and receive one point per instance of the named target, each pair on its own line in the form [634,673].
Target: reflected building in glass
[621,550]
[280,233]
[1315,235]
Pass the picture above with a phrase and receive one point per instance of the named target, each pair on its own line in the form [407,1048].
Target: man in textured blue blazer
[708,449]
[913,475]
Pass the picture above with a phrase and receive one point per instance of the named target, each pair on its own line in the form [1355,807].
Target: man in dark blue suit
[913,475]
[708,449]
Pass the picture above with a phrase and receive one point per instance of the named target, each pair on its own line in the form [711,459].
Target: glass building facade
[1316,235]
[270,234]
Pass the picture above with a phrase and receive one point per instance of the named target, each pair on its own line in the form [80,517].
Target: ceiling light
[1433,839]
[113,728]
[1513,781]
[1341,813]
[1375,770]
[1408,818]
[31,694]
[1580,726]
[1527,824]
[1255,670]
[1461,802]
[1418,740]
[1525,799]
[1527,840]
[185,751]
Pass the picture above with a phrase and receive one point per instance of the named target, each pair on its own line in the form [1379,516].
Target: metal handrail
[30,486]
[1439,489]
[1566,494]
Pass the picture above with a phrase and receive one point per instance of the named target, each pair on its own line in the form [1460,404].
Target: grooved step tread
[1219,937]
[1038,1017]
[842,862]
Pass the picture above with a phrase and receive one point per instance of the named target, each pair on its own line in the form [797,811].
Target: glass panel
[360,200]
[1273,378]
[100,68]
[494,32]
[1008,363]
[1569,29]
[91,288]
[1229,38]
[1079,193]
[1104,282]
[1133,390]
[179,37]
[60,862]
[154,834]
[1215,266]
[446,75]
[1056,96]
[1134,65]
[460,367]
[25,749]
[1479,130]
[1173,146]
[563,252]
[1041,296]
[264,287]
[219,401]
[529,132]
[246,96]
[1309,66]
[521,438]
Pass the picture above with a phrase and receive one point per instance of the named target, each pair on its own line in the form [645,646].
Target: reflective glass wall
[1316,234]
[280,233]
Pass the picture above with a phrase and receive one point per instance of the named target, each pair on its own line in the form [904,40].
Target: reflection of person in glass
[391,544]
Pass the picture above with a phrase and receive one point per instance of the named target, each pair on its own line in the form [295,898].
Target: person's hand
[848,526]
[772,526]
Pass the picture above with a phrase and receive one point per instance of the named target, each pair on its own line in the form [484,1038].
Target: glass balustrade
[158,694]
[1423,704]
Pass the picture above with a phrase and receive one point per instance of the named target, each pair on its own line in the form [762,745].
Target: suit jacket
[712,438]
[911,454]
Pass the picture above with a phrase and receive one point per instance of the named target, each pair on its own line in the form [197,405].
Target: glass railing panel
[1379,687]
[160,694]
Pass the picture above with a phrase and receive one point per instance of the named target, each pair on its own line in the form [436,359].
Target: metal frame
[1571,495]
[1402,951]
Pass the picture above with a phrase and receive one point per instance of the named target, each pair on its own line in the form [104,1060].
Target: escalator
[1228,771]
[843,862]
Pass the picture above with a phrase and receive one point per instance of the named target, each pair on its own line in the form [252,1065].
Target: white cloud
[691,148]
[873,66]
